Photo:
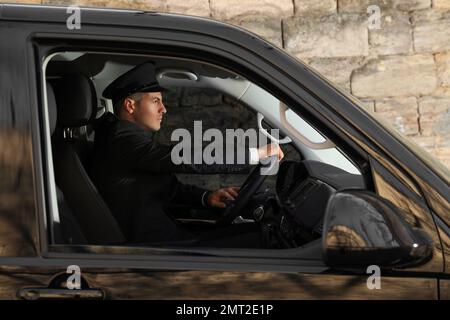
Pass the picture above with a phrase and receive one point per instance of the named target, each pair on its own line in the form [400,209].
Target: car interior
[289,211]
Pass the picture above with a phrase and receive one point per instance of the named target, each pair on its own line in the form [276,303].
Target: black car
[354,210]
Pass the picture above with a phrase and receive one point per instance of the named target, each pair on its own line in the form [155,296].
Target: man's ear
[129,105]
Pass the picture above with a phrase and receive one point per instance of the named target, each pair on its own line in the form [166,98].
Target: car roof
[123,17]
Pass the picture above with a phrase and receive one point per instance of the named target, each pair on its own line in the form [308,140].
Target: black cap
[139,79]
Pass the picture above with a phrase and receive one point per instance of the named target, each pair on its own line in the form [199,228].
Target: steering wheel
[250,186]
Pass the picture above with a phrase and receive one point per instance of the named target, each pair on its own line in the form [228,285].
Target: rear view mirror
[362,229]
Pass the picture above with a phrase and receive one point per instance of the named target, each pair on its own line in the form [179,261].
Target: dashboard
[295,215]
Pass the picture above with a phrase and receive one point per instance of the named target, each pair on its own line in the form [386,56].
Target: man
[135,174]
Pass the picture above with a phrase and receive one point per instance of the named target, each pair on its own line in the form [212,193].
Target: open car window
[197,91]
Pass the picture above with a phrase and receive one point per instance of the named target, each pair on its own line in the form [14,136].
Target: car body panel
[444,286]
[121,283]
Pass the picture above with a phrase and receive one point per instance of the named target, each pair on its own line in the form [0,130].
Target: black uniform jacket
[135,175]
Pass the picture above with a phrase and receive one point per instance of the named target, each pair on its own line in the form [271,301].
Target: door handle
[60,294]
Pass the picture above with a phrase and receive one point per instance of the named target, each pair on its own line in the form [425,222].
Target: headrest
[51,105]
[75,99]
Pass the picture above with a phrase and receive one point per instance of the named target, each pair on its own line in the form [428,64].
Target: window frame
[42,50]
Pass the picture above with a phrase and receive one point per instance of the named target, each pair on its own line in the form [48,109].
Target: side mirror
[361,229]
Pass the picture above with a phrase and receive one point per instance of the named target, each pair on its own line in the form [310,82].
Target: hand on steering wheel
[250,186]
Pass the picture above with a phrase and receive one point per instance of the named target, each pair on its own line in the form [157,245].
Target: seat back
[67,231]
[75,100]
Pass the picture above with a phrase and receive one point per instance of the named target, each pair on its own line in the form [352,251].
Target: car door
[30,264]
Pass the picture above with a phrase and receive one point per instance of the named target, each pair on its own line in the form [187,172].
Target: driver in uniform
[135,174]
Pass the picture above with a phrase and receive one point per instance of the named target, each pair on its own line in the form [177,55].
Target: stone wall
[401,70]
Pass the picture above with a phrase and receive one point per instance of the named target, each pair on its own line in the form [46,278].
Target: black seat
[67,231]
[75,100]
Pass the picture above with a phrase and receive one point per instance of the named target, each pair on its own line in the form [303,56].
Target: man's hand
[216,198]
[270,150]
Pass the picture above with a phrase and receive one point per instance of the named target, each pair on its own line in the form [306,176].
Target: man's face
[148,111]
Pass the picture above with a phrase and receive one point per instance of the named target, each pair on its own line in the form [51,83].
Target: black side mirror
[362,229]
